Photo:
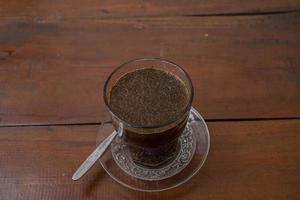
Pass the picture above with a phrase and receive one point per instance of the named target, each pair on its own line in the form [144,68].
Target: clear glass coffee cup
[151,145]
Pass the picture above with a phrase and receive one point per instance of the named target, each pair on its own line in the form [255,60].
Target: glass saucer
[194,147]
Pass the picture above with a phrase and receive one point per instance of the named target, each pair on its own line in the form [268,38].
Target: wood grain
[247,160]
[118,8]
[241,67]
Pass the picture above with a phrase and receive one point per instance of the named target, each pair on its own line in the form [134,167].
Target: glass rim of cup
[180,114]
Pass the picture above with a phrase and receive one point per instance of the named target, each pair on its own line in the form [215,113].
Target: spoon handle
[93,157]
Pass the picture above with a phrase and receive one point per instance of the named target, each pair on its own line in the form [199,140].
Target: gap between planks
[237,14]
[100,122]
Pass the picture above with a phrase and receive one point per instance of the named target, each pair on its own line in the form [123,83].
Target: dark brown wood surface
[247,160]
[133,8]
[242,67]
[243,57]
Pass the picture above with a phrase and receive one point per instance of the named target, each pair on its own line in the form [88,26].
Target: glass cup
[151,146]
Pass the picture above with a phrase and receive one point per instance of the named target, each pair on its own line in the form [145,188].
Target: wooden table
[243,57]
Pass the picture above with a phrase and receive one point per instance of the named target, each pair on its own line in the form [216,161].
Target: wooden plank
[242,67]
[252,160]
[118,8]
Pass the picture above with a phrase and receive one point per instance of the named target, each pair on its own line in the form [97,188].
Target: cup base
[152,158]
[193,149]
[124,158]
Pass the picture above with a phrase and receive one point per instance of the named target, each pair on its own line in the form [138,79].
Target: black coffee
[148,97]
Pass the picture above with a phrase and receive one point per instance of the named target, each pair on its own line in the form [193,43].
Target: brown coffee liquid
[148,97]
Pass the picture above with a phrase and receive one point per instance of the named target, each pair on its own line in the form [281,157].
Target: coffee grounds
[148,97]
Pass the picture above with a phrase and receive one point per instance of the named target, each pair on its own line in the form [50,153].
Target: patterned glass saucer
[193,150]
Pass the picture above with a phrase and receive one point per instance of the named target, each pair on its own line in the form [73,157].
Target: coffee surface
[148,97]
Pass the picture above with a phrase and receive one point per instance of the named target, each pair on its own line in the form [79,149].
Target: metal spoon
[97,153]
